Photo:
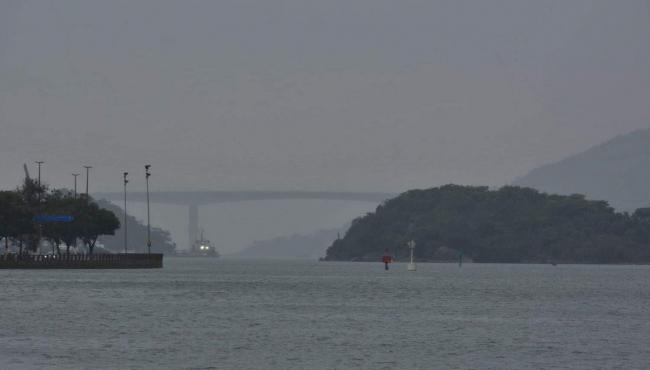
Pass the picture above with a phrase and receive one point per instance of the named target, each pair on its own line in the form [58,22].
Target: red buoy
[386,258]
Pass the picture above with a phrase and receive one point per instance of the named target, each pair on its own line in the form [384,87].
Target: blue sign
[53,218]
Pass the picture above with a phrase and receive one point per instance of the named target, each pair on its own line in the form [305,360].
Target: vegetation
[512,224]
[161,241]
[15,218]
[18,223]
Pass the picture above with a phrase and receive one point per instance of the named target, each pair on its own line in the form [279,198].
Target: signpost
[53,218]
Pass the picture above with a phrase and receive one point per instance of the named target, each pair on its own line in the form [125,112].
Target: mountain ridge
[617,170]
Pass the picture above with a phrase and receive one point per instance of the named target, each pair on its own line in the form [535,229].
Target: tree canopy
[511,224]
[15,217]
[19,208]
[92,221]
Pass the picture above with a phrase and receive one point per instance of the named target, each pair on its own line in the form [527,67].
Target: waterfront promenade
[82,261]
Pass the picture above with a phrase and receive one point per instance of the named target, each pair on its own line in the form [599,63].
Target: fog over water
[367,95]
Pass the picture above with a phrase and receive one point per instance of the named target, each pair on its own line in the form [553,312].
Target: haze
[365,95]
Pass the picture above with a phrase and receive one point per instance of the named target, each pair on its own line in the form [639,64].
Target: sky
[339,95]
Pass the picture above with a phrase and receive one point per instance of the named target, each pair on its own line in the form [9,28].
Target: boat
[201,248]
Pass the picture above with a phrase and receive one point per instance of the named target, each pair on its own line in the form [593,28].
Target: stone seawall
[82,261]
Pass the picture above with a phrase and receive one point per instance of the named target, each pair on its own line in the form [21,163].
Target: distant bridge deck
[223,196]
[194,199]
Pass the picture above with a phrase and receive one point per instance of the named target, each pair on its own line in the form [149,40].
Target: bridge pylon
[193,224]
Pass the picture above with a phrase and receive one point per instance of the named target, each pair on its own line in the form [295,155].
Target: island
[511,224]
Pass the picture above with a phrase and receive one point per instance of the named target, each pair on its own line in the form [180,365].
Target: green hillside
[161,241]
[511,224]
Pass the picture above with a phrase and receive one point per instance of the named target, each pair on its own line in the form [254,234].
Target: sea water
[226,314]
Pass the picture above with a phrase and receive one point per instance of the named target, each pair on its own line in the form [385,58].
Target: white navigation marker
[411,266]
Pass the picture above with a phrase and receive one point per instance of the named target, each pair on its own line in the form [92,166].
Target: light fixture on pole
[40,200]
[75,184]
[147,174]
[39,163]
[125,224]
[40,189]
[87,171]
[75,197]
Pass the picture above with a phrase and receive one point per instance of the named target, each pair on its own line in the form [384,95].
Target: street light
[125,224]
[75,184]
[146,170]
[40,190]
[40,199]
[39,163]
[87,170]
[75,197]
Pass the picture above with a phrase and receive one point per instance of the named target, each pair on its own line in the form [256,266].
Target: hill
[511,224]
[617,171]
[311,246]
[161,241]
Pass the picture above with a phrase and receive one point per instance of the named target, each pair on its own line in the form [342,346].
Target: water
[201,313]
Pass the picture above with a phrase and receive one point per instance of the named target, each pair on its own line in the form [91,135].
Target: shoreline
[83,261]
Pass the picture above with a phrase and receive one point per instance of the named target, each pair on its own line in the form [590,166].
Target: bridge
[194,199]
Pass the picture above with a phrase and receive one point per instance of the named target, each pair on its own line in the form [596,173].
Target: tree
[642,214]
[33,197]
[95,221]
[63,202]
[15,218]
[54,204]
[17,221]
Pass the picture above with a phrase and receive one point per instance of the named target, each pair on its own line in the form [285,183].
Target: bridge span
[194,199]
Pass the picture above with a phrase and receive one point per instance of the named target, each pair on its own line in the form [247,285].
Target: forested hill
[161,241]
[511,224]
[617,171]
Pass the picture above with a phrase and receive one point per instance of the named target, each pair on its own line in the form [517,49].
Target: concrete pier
[82,261]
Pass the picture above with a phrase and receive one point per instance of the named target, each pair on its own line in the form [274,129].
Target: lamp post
[87,170]
[75,197]
[39,163]
[147,174]
[40,199]
[75,184]
[125,224]
[40,190]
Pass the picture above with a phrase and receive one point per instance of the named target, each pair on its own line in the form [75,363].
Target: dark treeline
[91,221]
[19,208]
[161,241]
[511,224]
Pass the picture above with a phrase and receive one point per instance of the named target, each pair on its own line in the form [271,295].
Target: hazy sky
[328,95]
[371,94]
